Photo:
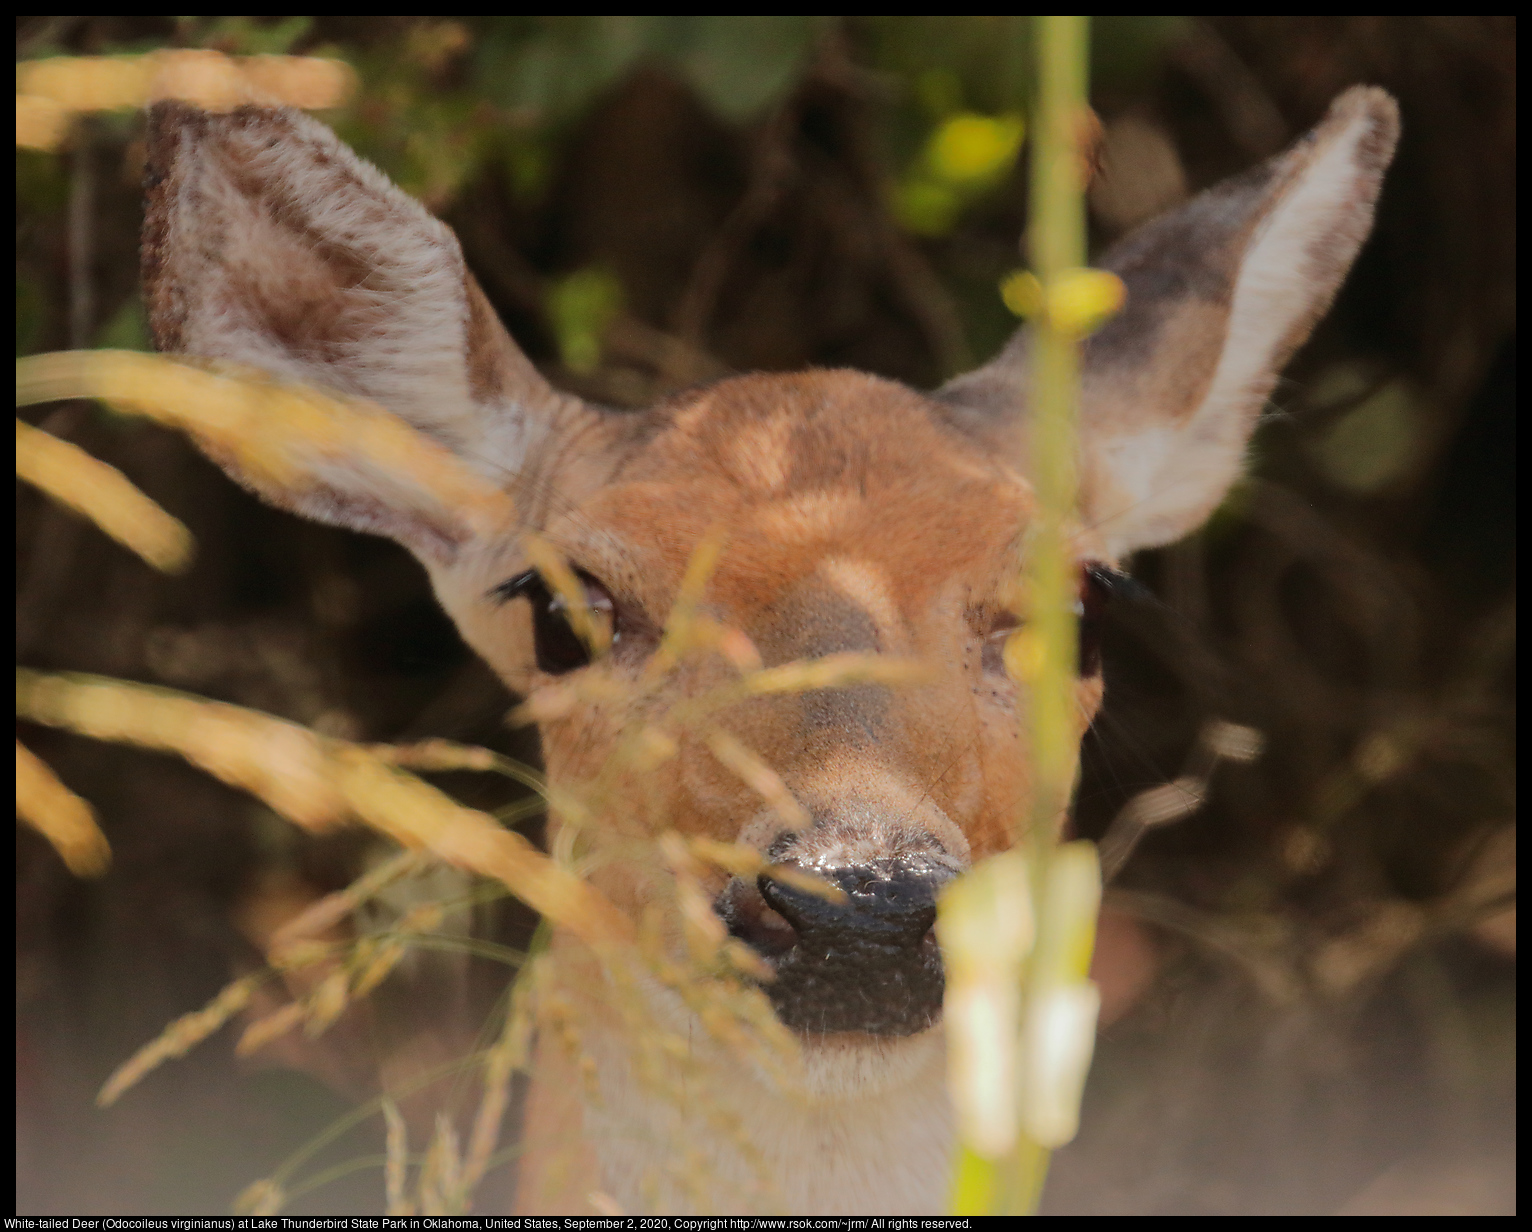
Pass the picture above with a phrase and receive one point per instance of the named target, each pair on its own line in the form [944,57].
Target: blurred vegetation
[650,202]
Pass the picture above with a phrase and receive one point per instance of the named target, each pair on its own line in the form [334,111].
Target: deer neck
[866,1127]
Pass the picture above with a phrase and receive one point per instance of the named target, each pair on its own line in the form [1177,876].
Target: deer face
[856,520]
[859,515]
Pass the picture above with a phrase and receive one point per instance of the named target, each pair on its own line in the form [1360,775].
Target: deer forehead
[832,489]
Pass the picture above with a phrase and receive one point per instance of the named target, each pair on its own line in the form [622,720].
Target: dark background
[1330,1020]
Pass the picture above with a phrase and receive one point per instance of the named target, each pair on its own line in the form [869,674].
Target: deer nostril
[886,906]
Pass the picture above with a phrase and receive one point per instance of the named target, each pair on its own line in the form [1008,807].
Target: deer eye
[556,646]
[1001,628]
[1097,583]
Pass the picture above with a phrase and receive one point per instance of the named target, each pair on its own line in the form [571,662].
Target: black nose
[868,964]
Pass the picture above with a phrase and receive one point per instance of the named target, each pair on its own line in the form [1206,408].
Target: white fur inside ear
[332,276]
[1168,480]
[270,243]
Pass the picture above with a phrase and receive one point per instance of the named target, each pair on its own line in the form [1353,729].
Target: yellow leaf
[970,147]
[1076,303]
[1080,300]
[1022,293]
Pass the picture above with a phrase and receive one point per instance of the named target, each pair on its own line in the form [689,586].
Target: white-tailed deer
[859,515]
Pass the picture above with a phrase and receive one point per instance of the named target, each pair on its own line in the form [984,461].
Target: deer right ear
[1221,292]
[268,242]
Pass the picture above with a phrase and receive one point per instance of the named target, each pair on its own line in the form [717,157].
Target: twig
[920,290]
[82,209]
[1183,796]
[1235,92]
[772,170]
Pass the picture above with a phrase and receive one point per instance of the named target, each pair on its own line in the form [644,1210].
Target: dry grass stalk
[373,962]
[505,1057]
[104,495]
[835,671]
[439,1189]
[417,815]
[595,633]
[318,782]
[442,755]
[264,1197]
[760,778]
[270,1027]
[559,698]
[210,79]
[680,623]
[742,861]
[396,1167]
[701,927]
[272,433]
[280,762]
[59,816]
[327,1003]
[1166,803]
[330,910]
[179,1038]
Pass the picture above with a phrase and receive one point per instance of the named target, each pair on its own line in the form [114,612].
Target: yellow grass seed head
[103,495]
[269,1027]
[207,78]
[88,83]
[759,777]
[396,1165]
[276,435]
[41,123]
[60,816]
[262,1198]
[178,1038]
[439,1187]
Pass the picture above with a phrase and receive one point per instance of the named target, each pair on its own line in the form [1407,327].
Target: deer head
[859,514]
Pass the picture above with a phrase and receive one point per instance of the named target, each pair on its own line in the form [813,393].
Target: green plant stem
[1055,243]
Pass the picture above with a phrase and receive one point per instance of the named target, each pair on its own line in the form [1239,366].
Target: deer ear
[268,242]
[1221,292]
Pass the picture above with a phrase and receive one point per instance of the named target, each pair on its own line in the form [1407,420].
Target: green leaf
[1375,443]
[128,330]
[580,307]
[738,64]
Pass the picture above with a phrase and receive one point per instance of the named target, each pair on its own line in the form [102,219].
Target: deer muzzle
[867,964]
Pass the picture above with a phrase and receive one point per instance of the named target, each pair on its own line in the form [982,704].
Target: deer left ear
[1220,293]
[269,243]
